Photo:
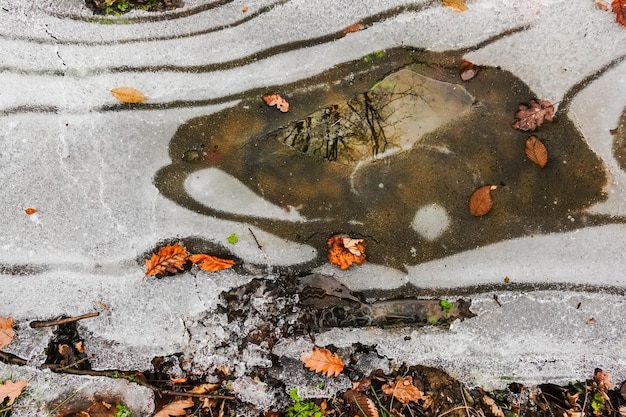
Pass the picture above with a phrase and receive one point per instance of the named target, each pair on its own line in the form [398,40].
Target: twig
[37,324]
[12,359]
[258,245]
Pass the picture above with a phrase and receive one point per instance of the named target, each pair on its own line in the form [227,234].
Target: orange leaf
[6,331]
[355,27]
[403,389]
[536,151]
[619,8]
[323,361]
[30,211]
[480,202]
[211,263]
[467,70]
[128,95]
[12,390]
[175,408]
[244,9]
[343,251]
[278,101]
[170,258]
[180,380]
[456,5]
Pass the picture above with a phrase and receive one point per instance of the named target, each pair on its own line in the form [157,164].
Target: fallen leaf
[170,258]
[530,117]
[244,9]
[343,251]
[456,5]
[211,263]
[603,380]
[128,95]
[175,408]
[467,70]
[12,390]
[203,388]
[619,8]
[30,211]
[180,380]
[323,361]
[495,409]
[536,151]
[480,202]
[602,5]
[278,101]
[6,331]
[355,27]
[363,404]
[403,390]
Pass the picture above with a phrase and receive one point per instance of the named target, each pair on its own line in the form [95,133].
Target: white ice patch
[431,221]
[220,191]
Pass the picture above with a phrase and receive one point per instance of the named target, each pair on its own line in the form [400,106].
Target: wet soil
[379,201]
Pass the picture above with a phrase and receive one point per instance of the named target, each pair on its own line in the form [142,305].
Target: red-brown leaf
[531,116]
[403,389]
[355,27]
[536,151]
[30,211]
[170,258]
[323,361]
[362,403]
[211,263]
[467,71]
[480,202]
[619,8]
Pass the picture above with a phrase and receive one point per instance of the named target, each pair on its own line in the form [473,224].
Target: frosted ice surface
[431,221]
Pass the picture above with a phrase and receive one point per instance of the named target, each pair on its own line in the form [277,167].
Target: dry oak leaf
[403,390]
[128,95]
[456,5]
[170,258]
[211,263]
[30,211]
[12,390]
[480,202]
[530,117]
[175,408]
[619,8]
[467,71]
[276,100]
[364,404]
[536,151]
[344,251]
[6,331]
[323,361]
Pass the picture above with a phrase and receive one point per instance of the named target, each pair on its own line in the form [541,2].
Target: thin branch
[39,324]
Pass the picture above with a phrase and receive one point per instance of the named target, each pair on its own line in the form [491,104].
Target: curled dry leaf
[603,380]
[467,71]
[494,408]
[602,5]
[403,390]
[456,5]
[175,408]
[128,95]
[30,211]
[203,388]
[278,101]
[531,116]
[6,331]
[211,263]
[363,404]
[12,390]
[343,251]
[619,8]
[323,361]
[170,258]
[536,151]
[480,202]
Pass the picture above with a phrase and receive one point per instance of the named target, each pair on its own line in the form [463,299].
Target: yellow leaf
[323,361]
[175,408]
[211,263]
[6,331]
[456,5]
[12,390]
[128,95]
[170,258]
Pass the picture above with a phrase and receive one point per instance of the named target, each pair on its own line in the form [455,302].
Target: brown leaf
[467,71]
[6,331]
[128,95]
[480,202]
[175,408]
[278,101]
[180,380]
[211,263]
[603,380]
[170,258]
[403,389]
[203,388]
[494,408]
[536,151]
[344,251]
[30,211]
[532,116]
[12,390]
[355,27]
[456,5]
[244,9]
[619,8]
[323,361]
[602,5]
[362,403]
